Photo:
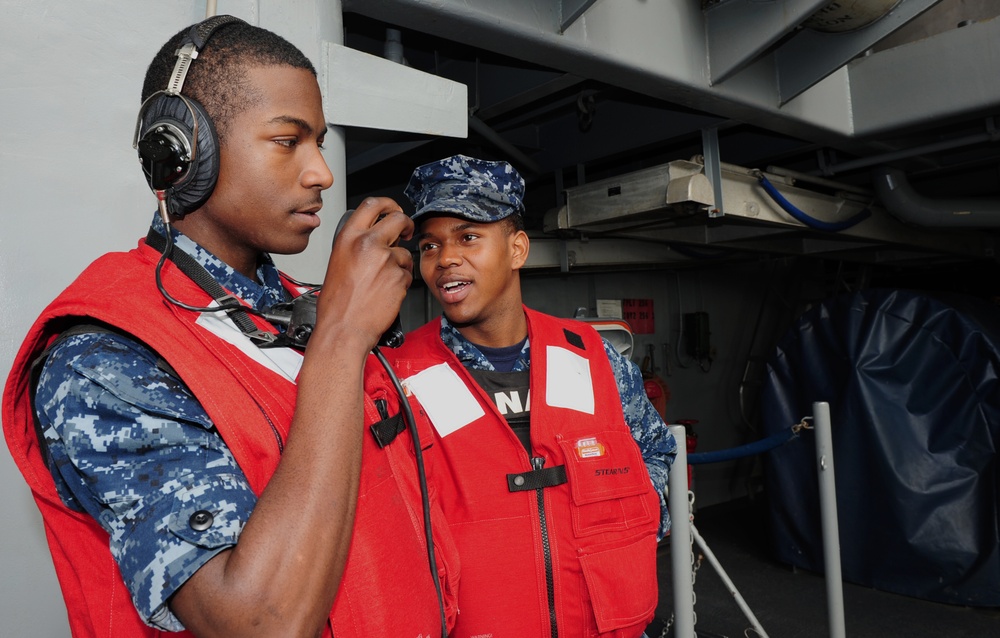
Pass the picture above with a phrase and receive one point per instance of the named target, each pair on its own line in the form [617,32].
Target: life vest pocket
[622,585]
[609,483]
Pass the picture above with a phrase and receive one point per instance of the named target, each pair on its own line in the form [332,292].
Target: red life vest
[596,529]
[386,588]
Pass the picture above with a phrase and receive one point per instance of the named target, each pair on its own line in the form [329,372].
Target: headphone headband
[196,39]
[178,147]
[201,32]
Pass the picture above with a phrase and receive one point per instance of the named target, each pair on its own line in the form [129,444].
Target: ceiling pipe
[899,198]
[514,153]
[969,140]
[393,49]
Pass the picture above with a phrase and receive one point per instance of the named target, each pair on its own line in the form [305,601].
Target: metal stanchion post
[828,513]
[680,539]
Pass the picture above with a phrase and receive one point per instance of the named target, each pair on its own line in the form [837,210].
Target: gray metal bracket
[739,32]
[713,168]
[571,10]
[809,56]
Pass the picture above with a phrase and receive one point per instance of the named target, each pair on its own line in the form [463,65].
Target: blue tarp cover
[912,383]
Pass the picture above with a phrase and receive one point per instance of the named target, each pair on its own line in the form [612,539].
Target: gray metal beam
[937,78]
[654,48]
[740,31]
[788,244]
[571,10]
[515,154]
[659,49]
[372,92]
[810,55]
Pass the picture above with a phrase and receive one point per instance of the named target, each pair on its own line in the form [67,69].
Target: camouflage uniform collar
[472,357]
[258,295]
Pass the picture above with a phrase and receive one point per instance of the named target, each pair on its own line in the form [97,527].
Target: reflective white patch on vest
[449,403]
[567,380]
[284,361]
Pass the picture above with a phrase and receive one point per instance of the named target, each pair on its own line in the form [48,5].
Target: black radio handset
[393,337]
[298,316]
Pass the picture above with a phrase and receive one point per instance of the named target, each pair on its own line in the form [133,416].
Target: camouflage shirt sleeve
[655,441]
[131,446]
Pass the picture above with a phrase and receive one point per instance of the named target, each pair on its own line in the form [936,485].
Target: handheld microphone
[299,315]
[393,337]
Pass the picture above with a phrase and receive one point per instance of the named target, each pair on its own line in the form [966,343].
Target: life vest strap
[386,430]
[537,479]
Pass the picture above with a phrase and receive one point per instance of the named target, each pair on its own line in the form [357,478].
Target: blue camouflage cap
[478,190]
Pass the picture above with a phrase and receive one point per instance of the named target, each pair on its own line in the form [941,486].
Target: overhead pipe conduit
[899,198]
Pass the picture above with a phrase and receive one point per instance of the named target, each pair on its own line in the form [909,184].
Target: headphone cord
[167,252]
[424,494]
[228,303]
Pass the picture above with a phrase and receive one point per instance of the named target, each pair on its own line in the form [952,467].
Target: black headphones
[176,139]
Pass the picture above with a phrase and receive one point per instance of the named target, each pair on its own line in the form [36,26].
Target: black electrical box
[697,335]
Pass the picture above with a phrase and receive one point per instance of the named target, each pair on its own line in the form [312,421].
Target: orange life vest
[582,527]
[387,587]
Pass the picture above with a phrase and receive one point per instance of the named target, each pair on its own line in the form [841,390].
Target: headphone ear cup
[193,188]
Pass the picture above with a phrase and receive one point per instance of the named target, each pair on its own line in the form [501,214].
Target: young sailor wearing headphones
[548,458]
[190,478]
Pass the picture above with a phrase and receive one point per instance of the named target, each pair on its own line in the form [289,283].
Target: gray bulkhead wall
[706,392]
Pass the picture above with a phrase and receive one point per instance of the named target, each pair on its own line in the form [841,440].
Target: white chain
[695,563]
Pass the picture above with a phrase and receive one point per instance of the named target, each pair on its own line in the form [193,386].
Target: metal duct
[899,198]
[393,49]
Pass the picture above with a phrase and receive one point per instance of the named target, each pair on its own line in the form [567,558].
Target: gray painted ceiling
[568,115]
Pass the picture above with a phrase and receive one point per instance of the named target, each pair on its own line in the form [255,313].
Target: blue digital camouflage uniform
[655,441]
[130,445]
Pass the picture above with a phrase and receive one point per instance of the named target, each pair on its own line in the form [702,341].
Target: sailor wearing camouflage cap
[478,190]
[548,459]
[472,244]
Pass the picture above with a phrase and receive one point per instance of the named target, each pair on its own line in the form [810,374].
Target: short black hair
[513,222]
[217,78]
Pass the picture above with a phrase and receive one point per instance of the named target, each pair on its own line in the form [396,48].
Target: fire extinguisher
[691,443]
[656,388]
